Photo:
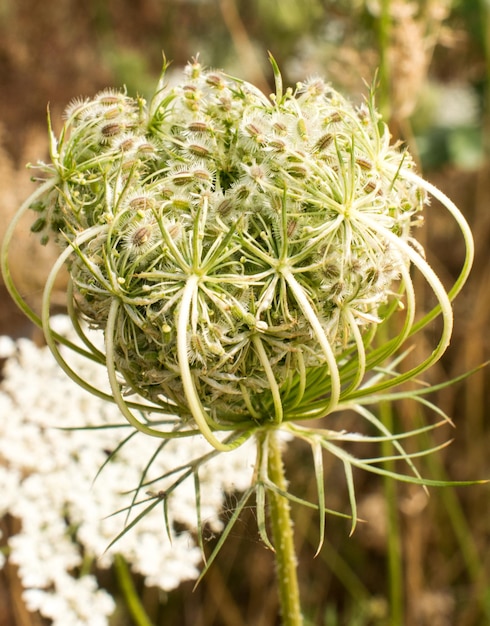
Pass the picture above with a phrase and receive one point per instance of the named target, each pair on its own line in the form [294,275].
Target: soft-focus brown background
[433,57]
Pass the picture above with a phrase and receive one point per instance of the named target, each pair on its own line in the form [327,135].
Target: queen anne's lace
[239,254]
[48,482]
[227,241]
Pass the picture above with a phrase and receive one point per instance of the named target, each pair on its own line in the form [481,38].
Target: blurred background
[427,559]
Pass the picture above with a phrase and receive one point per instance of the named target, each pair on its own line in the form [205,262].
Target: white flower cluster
[49,481]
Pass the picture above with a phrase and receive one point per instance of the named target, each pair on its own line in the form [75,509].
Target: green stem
[383,32]
[283,538]
[130,594]
[395,568]
[485,20]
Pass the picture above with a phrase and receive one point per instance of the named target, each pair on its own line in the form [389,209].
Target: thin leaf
[320,488]
[133,523]
[113,454]
[224,535]
[260,507]
[352,494]
[277,78]
[415,480]
[197,492]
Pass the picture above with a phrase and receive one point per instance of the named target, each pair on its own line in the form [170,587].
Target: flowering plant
[240,254]
[59,486]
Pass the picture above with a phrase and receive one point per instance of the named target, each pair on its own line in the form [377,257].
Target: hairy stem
[283,538]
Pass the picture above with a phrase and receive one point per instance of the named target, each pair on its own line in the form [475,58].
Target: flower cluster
[49,481]
[235,248]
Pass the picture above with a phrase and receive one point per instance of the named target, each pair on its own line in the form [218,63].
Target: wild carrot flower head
[234,248]
[240,253]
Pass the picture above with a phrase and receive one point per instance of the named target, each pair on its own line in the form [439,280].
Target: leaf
[260,507]
[316,449]
[277,78]
[224,535]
